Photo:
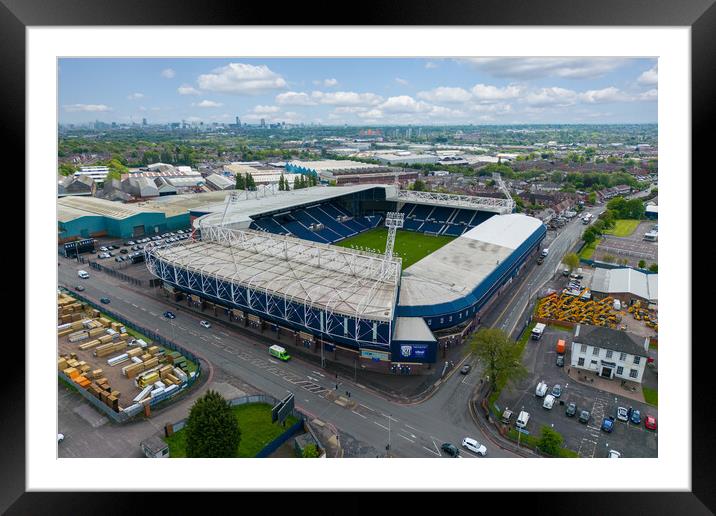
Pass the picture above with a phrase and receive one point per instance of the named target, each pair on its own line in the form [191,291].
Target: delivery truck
[279,352]
[560,347]
[538,330]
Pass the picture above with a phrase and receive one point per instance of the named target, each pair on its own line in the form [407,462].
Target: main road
[369,422]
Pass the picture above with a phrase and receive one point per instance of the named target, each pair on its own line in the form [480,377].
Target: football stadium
[325,264]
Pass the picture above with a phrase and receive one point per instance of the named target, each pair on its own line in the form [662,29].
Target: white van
[548,402]
[541,389]
[83,274]
[522,419]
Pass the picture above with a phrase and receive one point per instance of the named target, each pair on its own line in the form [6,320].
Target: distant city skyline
[359,91]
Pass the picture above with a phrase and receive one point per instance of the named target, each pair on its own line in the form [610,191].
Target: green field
[588,250]
[409,245]
[256,427]
[623,227]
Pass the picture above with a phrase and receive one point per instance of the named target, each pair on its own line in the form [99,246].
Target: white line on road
[412,428]
[401,435]
[217,338]
[391,418]
[319,374]
[359,414]
[367,407]
[385,427]
[135,306]
[431,451]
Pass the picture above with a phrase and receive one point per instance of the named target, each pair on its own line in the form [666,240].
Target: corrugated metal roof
[614,281]
[69,208]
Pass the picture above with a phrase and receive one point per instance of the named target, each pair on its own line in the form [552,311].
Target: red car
[650,422]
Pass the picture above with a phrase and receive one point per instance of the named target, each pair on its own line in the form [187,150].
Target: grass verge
[588,250]
[623,227]
[651,396]
[256,427]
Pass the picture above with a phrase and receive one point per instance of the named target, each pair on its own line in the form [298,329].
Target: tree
[240,182]
[66,169]
[654,267]
[310,452]
[641,264]
[280,182]
[419,185]
[550,441]
[571,260]
[608,258]
[296,183]
[589,236]
[501,356]
[212,429]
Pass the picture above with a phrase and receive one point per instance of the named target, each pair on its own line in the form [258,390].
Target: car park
[104,300]
[622,414]
[465,369]
[650,422]
[608,424]
[169,315]
[450,449]
[205,324]
[584,416]
[474,446]
[557,391]
[571,410]
[635,417]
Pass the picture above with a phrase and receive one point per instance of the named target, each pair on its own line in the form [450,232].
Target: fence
[261,398]
[116,274]
[117,417]
[156,338]
[606,265]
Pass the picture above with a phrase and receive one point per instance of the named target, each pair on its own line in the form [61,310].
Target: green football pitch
[409,245]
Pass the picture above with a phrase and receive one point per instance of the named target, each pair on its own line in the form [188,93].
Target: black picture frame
[700,15]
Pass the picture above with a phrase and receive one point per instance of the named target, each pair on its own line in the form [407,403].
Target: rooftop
[607,338]
[613,281]
[70,208]
[331,164]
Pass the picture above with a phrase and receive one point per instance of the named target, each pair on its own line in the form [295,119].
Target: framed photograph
[432,233]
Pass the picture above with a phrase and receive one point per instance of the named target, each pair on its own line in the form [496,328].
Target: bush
[310,452]
[550,441]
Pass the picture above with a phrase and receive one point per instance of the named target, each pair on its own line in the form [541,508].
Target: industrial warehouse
[267,259]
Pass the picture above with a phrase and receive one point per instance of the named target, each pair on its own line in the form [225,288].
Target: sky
[359,91]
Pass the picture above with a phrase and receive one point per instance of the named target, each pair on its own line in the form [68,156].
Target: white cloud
[346,98]
[445,94]
[293,98]
[649,95]
[373,114]
[86,107]
[329,83]
[242,79]
[404,104]
[553,96]
[430,65]
[488,93]
[610,94]
[534,67]
[186,89]
[168,73]
[266,109]
[401,81]
[649,78]
[135,96]
[208,104]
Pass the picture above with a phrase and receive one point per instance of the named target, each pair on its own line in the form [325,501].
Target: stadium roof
[455,270]
[626,280]
[240,212]
[412,329]
[338,280]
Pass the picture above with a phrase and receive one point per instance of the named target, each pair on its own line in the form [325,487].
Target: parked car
[584,417]
[474,446]
[465,369]
[169,315]
[79,288]
[635,417]
[450,449]
[613,454]
[506,417]
[103,249]
[560,360]
[650,422]
[110,254]
[548,402]
[557,391]
[205,324]
[124,251]
[104,300]
[622,414]
[119,259]
[130,242]
[608,424]
[571,409]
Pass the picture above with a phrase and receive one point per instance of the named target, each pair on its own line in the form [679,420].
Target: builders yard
[112,364]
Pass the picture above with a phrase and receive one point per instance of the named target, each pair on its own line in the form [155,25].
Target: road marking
[367,407]
[431,451]
[359,414]
[412,428]
[401,435]
[224,334]
[273,361]
[319,374]
[391,418]
[436,447]
[385,427]
[135,306]
[217,338]
[311,378]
